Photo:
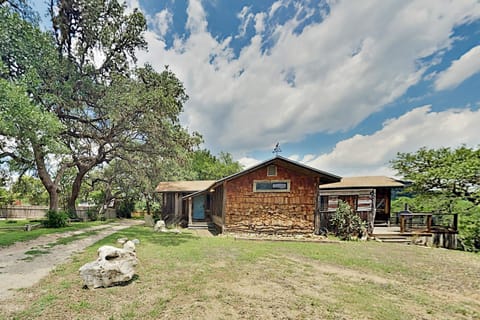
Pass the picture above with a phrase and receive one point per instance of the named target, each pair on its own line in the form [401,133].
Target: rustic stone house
[275,196]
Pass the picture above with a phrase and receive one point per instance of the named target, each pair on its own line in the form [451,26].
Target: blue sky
[342,85]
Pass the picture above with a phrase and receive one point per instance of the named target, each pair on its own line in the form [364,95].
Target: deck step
[380,224]
[392,238]
[404,240]
[201,225]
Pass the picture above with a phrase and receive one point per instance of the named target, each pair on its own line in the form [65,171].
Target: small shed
[369,196]
[275,196]
[173,207]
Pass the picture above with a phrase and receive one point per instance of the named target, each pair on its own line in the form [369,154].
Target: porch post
[371,218]
[190,220]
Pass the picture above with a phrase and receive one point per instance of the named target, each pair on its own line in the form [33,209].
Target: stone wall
[271,212]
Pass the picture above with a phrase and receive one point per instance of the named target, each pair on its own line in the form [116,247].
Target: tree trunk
[53,196]
[50,185]
[77,184]
[147,202]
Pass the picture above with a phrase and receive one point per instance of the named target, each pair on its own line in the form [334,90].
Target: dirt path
[20,270]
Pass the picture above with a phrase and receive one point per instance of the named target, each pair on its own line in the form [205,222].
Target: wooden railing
[428,222]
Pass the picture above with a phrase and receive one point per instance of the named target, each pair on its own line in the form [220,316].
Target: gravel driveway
[19,270]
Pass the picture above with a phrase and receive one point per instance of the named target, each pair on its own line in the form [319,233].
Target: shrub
[125,209]
[72,214]
[347,224]
[92,214]
[56,219]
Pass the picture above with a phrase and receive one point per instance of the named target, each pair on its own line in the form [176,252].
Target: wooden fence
[38,212]
[23,212]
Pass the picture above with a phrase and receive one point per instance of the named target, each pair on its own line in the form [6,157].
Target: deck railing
[427,221]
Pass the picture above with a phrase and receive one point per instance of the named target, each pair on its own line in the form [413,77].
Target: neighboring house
[173,208]
[369,196]
[275,196]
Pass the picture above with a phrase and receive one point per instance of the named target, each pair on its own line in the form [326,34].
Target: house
[369,196]
[173,207]
[275,196]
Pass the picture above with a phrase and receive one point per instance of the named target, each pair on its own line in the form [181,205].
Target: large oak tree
[102,105]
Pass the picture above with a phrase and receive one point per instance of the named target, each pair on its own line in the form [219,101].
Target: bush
[72,214]
[56,219]
[125,209]
[92,214]
[347,224]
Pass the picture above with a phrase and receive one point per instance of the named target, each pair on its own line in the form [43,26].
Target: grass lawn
[188,277]
[10,236]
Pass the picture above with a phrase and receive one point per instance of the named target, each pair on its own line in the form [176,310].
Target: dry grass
[187,277]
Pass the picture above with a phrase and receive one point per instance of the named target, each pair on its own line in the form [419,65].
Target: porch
[433,229]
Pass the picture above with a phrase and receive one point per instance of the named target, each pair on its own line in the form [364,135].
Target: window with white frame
[271,186]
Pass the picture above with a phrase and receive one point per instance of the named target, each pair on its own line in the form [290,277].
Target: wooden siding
[271,212]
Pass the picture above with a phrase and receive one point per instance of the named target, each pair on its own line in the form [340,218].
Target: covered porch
[174,205]
[369,197]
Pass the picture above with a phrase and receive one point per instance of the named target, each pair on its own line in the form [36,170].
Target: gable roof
[183,186]
[364,182]
[278,159]
[289,164]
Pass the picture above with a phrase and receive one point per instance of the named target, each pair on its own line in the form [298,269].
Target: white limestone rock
[129,246]
[113,266]
[122,240]
[160,226]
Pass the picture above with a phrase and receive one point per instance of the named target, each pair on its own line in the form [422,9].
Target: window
[352,201]
[271,186]
[271,170]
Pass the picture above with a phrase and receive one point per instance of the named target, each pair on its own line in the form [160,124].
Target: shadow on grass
[147,235]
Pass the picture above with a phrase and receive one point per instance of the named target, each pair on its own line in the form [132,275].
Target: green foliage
[31,190]
[125,209]
[92,214]
[469,225]
[56,102]
[451,174]
[56,219]
[444,180]
[6,197]
[205,166]
[347,223]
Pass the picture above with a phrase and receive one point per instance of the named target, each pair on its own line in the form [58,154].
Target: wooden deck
[436,237]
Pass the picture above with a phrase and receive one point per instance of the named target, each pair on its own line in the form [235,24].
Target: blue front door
[199,207]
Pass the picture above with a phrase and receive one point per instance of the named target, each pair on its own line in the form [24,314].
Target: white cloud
[197,19]
[328,78]
[245,16]
[162,22]
[248,162]
[463,68]
[275,6]
[370,154]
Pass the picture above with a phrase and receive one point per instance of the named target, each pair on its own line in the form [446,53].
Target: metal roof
[183,186]
[364,182]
